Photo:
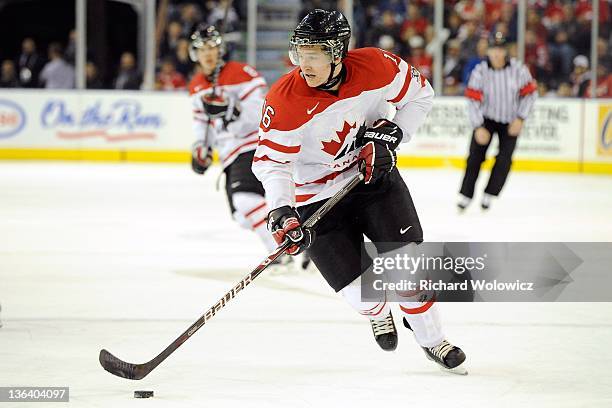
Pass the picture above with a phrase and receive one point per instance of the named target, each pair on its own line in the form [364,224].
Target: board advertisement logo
[12,119]
[604,130]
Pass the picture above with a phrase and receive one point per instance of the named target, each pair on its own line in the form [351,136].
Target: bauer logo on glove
[378,156]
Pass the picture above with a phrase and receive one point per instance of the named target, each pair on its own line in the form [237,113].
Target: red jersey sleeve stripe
[250,134]
[246,95]
[531,87]
[327,178]
[279,147]
[300,198]
[474,94]
[266,158]
[254,210]
[258,223]
[404,88]
[237,149]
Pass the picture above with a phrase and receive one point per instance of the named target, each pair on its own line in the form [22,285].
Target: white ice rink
[125,257]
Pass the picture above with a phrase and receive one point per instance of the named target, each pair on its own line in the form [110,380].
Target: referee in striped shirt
[500,96]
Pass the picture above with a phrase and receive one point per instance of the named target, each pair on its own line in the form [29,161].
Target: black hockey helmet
[498,40]
[205,35]
[329,29]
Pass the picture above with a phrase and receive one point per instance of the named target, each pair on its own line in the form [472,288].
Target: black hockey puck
[143,394]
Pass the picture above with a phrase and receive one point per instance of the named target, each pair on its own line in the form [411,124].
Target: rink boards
[573,135]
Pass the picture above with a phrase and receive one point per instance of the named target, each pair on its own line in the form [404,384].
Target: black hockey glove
[378,157]
[201,157]
[216,106]
[284,223]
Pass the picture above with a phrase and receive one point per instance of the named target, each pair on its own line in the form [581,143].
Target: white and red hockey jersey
[243,85]
[306,150]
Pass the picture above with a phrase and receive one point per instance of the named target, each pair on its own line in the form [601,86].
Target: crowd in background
[557,43]
[557,39]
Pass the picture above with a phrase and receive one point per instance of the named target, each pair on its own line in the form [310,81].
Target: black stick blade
[120,368]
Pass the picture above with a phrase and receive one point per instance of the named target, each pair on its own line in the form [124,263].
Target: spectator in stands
[481,54]
[174,32]
[57,73]
[604,54]
[190,16]
[92,79]
[452,87]
[536,55]
[580,77]
[415,20]
[603,88]
[453,63]
[534,23]
[561,55]
[543,91]
[8,77]
[397,7]
[70,51]
[386,24]
[215,16]
[182,62]
[581,37]
[509,17]
[564,90]
[469,35]
[555,16]
[29,64]
[469,9]
[168,78]
[128,77]
[387,43]
[453,25]
[492,14]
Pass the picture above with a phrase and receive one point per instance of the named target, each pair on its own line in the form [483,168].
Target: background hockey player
[228,121]
[500,96]
[317,123]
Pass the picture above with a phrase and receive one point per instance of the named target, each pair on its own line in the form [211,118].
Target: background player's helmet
[320,27]
[498,40]
[205,35]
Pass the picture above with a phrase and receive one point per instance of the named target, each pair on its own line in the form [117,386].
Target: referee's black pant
[477,155]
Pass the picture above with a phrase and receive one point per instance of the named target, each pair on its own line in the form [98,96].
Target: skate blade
[459,370]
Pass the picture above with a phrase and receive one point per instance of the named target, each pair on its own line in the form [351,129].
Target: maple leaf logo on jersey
[332,146]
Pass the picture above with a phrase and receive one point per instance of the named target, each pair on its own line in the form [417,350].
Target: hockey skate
[450,358]
[385,332]
[485,204]
[463,203]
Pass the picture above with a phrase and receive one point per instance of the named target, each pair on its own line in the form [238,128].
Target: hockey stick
[131,371]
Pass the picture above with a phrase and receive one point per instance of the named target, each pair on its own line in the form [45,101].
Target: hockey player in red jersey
[320,123]
[228,121]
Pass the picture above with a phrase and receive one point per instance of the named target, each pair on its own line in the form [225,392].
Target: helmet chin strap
[331,80]
[217,69]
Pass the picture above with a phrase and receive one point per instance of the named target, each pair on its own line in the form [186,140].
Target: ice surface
[125,257]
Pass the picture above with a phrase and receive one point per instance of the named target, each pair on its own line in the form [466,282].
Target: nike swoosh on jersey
[309,111]
[404,230]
